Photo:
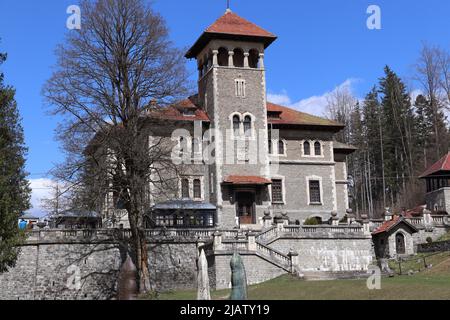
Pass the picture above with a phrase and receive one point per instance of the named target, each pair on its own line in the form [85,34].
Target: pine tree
[398,124]
[373,139]
[14,189]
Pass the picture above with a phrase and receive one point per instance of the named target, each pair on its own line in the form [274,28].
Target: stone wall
[434,233]
[257,269]
[42,271]
[330,255]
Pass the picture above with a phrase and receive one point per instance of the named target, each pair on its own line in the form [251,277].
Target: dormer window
[189,112]
[274,114]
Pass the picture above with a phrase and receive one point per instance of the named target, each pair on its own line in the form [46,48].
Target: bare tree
[444,65]
[57,201]
[340,105]
[432,72]
[113,72]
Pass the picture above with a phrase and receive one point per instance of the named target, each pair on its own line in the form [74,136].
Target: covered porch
[248,198]
[183,213]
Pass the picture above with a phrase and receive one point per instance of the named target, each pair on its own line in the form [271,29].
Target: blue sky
[322,44]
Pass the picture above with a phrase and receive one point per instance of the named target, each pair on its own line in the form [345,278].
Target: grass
[419,262]
[431,284]
[445,237]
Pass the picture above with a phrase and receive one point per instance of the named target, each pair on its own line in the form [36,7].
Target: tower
[232,90]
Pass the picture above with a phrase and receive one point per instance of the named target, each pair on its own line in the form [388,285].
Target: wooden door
[246,207]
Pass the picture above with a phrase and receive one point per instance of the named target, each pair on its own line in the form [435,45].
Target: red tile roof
[415,212]
[442,165]
[186,110]
[247,180]
[288,116]
[231,26]
[284,115]
[231,23]
[388,225]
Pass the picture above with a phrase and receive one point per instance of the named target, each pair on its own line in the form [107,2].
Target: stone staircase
[275,257]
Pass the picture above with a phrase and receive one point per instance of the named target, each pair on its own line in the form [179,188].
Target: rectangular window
[197,189]
[314,192]
[211,183]
[185,189]
[240,88]
[277,191]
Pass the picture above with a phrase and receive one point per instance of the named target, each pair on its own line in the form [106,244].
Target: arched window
[238,58]
[253,58]
[185,189]
[197,189]
[248,126]
[306,148]
[236,125]
[223,57]
[400,243]
[317,149]
[281,147]
[182,146]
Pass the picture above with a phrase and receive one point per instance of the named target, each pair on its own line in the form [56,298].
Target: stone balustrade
[112,235]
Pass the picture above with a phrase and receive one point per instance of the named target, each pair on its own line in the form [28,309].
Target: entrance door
[400,243]
[245,207]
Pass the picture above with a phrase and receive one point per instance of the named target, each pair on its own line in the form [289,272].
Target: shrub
[429,240]
[312,222]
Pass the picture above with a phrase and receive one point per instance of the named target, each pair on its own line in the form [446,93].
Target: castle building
[283,161]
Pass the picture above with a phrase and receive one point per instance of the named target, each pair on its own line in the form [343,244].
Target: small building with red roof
[394,238]
[437,178]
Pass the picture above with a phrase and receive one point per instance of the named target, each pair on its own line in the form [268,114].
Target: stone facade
[50,259]
[44,270]
[229,87]
[439,200]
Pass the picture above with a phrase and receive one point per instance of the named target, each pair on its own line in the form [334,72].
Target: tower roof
[231,26]
[441,166]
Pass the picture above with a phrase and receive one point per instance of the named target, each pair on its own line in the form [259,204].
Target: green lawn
[445,237]
[430,284]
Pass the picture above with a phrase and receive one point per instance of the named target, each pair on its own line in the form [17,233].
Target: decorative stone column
[334,218]
[427,218]
[280,222]
[261,60]
[387,214]
[350,216]
[366,224]
[231,58]
[246,64]
[215,58]
[217,240]
[267,220]
[251,241]
[294,261]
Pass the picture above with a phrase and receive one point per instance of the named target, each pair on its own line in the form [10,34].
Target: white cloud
[315,105]
[41,188]
[281,99]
